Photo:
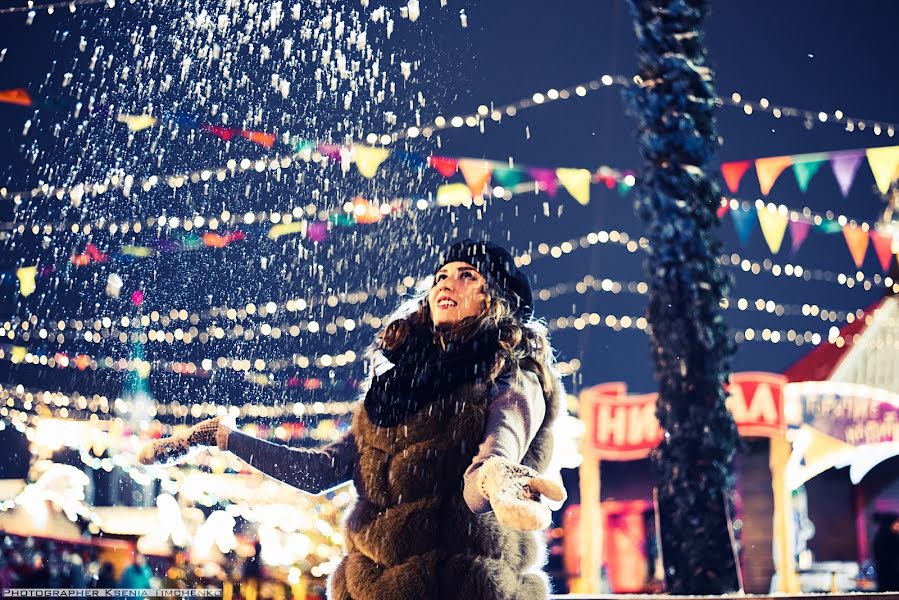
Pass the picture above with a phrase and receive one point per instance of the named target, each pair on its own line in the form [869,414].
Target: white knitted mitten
[174,449]
[514,493]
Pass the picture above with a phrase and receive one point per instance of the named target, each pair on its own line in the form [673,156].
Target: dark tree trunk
[674,102]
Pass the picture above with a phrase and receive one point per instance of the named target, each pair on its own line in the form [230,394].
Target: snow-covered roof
[873,359]
[869,356]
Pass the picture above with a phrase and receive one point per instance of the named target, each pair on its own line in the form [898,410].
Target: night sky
[821,56]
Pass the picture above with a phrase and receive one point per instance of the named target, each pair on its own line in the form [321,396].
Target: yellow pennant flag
[476,173]
[453,194]
[137,122]
[769,169]
[774,224]
[577,182]
[18,354]
[286,229]
[137,251]
[26,277]
[883,163]
[368,159]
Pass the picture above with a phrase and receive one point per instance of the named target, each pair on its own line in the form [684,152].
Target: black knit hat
[498,267]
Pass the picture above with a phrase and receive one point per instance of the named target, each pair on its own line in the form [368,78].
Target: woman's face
[457,293]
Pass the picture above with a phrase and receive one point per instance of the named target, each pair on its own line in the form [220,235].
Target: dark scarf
[423,371]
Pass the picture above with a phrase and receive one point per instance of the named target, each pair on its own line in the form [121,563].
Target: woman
[446,449]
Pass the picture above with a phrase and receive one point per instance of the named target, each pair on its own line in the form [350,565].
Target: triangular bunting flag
[733,172]
[18,354]
[774,224]
[223,133]
[883,245]
[286,229]
[266,140]
[26,277]
[798,233]
[507,177]
[830,226]
[368,159]
[412,159]
[300,145]
[453,194]
[137,122]
[17,96]
[883,163]
[857,239]
[845,165]
[744,223]
[317,231]
[769,169]
[805,167]
[444,166]
[623,188]
[185,119]
[332,151]
[577,182]
[545,178]
[476,173]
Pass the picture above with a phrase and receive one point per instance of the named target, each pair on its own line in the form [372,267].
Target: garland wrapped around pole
[674,103]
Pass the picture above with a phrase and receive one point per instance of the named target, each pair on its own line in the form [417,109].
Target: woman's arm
[514,416]
[313,470]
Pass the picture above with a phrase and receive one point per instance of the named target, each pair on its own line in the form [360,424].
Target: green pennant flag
[191,241]
[342,220]
[806,168]
[623,188]
[829,226]
[507,177]
[301,145]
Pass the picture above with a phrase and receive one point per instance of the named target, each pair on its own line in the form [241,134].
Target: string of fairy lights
[72,6]
[736,100]
[382,292]
[105,329]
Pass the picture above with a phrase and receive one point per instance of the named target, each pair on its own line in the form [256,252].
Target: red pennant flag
[857,239]
[883,245]
[94,253]
[266,140]
[17,96]
[223,133]
[733,172]
[722,210]
[445,166]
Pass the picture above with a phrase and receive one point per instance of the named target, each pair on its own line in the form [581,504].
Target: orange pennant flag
[476,173]
[883,245]
[857,239]
[260,137]
[16,96]
[769,169]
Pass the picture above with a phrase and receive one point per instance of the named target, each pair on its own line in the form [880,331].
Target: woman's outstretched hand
[174,449]
[514,493]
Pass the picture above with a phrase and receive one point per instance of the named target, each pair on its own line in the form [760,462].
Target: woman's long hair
[523,343]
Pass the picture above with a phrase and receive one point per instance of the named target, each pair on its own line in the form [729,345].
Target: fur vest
[411,536]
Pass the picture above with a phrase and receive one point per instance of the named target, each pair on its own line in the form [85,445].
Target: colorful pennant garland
[774,224]
[883,161]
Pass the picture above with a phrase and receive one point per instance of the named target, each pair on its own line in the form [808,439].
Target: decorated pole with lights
[674,102]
